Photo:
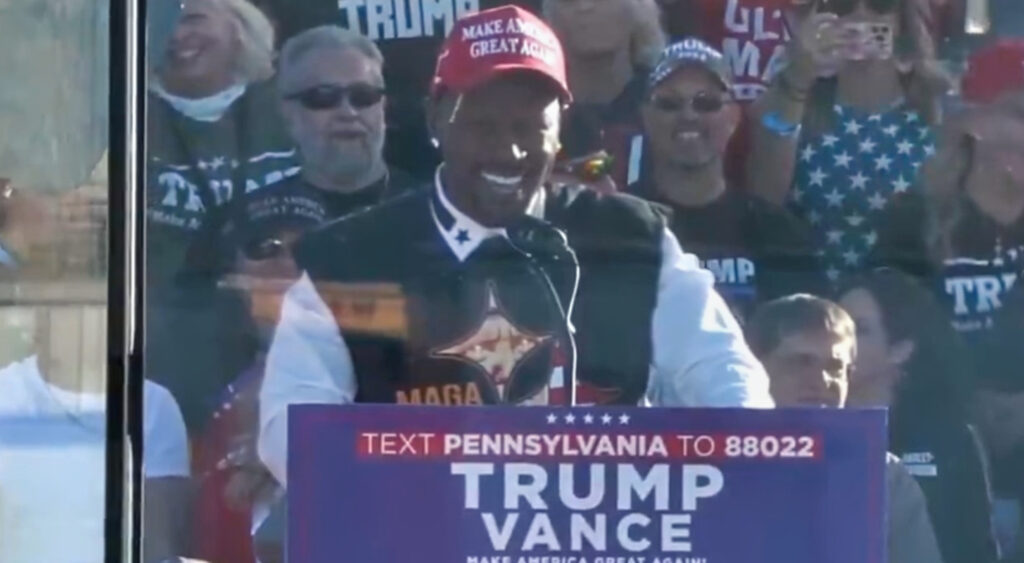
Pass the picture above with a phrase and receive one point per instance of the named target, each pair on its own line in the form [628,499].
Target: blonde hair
[945,175]
[647,38]
[255,38]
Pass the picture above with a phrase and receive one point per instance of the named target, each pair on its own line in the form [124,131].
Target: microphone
[554,263]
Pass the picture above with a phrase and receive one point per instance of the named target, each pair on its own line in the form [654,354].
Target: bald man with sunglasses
[333,98]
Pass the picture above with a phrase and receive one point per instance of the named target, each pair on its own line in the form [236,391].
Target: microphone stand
[551,243]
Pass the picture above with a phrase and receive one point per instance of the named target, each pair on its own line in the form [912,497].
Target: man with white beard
[332,95]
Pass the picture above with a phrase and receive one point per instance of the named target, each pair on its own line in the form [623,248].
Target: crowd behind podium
[849,173]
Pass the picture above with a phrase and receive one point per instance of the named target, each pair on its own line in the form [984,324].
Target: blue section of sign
[385,484]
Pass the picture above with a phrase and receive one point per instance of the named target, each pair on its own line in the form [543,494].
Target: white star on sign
[829,140]
[911,117]
[858,181]
[833,274]
[588,419]
[217,162]
[818,177]
[923,132]
[891,130]
[843,159]
[552,419]
[852,127]
[834,236]
[570,418]
[624,419]
[929,150]
[904,147]
[814,217]
[854,220]
[899,185]
[883,162]
[808,153]
[876,201]
[870,239]
[868,146]
[606,418]
[851,257]
[875,117]
[834,198]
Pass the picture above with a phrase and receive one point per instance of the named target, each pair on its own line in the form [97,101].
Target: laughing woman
[213,134]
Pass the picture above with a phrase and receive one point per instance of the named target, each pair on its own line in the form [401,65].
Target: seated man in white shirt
[500,288]
[53,449]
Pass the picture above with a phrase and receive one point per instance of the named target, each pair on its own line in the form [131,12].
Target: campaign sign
[386,484]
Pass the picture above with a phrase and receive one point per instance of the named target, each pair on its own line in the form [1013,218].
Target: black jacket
[521,288]
[946,458]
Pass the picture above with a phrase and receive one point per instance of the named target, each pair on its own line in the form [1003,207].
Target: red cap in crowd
[994,71]
[485,44]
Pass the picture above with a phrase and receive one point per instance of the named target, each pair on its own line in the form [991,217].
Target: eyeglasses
[329,96]
[846,7]
[703,102]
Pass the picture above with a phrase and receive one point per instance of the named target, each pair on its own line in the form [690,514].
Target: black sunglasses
[264,249]
[703,102]
[846,7]
[329,96]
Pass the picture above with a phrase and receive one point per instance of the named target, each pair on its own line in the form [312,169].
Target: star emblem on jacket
[496,346]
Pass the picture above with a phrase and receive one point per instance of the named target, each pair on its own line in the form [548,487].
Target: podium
[385,484]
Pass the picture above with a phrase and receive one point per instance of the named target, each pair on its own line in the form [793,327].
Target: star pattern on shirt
[843,159]
[858,181]
[818,177]
[808,153]
[847,176]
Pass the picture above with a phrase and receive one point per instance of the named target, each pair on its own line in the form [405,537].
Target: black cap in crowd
[267,213]
[690,51]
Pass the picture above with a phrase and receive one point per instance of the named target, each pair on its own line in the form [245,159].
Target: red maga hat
[485,44]
[994,71]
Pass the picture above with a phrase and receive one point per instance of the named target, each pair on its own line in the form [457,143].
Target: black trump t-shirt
[409,34]
[757,251]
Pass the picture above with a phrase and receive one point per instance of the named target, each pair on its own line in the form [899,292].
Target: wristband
[774,123]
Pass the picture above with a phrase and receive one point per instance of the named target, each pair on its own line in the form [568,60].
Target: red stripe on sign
[569,444]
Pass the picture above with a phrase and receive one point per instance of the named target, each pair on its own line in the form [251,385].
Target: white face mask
[209,109]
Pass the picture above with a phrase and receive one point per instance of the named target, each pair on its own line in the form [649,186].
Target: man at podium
[493,286]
